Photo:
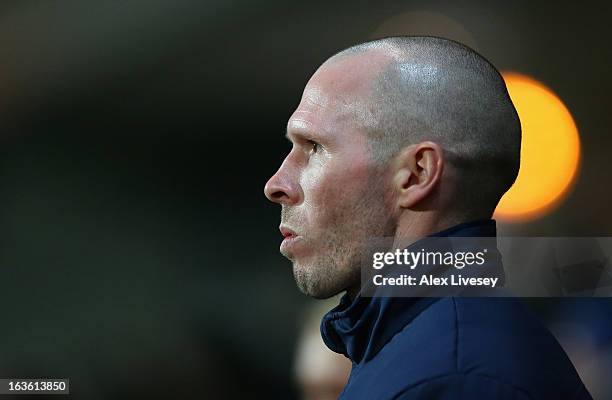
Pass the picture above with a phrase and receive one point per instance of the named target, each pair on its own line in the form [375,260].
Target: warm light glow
[550,151]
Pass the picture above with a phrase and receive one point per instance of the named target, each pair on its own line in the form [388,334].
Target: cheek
[332,190]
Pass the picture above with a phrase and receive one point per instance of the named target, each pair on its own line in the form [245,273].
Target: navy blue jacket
[449,348]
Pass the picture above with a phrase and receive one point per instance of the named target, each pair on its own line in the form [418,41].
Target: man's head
[399,136]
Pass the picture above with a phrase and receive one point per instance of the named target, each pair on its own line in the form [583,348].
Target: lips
[291,239]
[286,232]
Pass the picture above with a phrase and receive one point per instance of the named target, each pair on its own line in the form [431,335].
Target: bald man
[410,137]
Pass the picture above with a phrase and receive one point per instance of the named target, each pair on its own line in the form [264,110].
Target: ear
[418,172]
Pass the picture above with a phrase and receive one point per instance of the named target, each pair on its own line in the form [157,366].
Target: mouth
[287,233]
[290,238]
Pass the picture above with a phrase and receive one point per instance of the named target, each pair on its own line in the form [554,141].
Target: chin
[316,283]
[318,294]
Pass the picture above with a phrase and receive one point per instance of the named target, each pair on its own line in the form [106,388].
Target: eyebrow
[301,134]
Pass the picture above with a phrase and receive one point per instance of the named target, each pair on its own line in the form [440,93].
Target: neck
[415,226]
[353,291]
[410,229]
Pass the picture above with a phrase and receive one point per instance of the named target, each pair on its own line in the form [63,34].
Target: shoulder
[501,337]
[493,343]
[458,386]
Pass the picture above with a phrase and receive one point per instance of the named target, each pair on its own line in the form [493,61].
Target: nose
[282,188]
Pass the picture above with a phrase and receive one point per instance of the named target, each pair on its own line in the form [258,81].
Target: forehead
[335,93]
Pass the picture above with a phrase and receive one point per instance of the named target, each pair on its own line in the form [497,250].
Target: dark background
[138,253]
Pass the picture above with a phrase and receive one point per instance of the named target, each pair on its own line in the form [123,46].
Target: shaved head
[398,137]
[429,88]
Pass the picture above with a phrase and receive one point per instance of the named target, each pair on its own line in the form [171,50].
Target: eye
[314,146]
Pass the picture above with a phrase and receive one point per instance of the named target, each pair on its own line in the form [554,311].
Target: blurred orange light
[550,151]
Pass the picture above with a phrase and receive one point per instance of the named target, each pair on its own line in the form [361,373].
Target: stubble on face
[346,201]
[334,265]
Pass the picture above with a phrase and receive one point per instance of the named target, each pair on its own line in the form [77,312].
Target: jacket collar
[360,328]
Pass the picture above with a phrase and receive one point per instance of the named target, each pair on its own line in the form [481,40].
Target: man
[410,137]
